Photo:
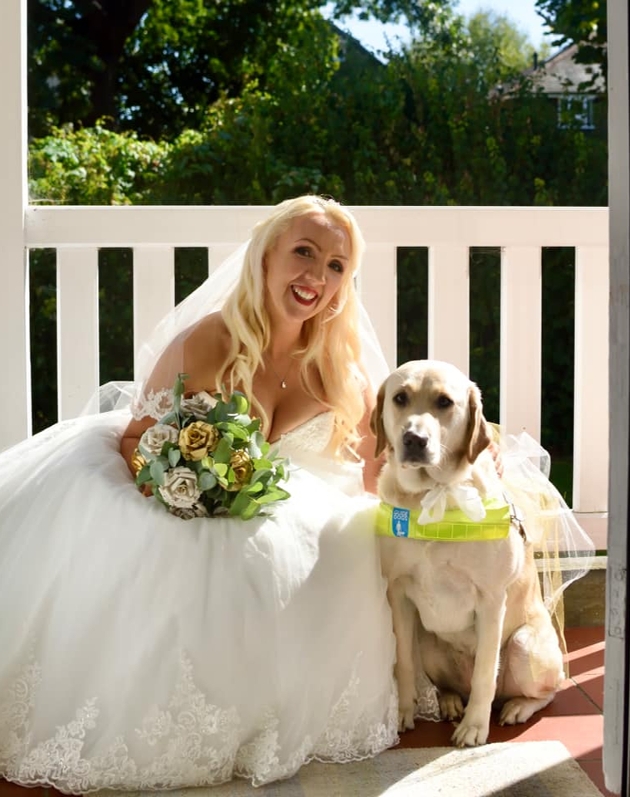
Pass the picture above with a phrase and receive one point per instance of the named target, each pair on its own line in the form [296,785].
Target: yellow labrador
[472,610]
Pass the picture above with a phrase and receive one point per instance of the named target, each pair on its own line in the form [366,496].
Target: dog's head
[429,415]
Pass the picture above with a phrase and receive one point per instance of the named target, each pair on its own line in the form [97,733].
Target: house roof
[562,73]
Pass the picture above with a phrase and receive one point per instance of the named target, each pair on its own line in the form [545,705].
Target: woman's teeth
[304,294]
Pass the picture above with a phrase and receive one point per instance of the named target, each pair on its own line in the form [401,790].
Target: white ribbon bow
[435,502]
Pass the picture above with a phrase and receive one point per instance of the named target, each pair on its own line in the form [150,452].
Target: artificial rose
[189,512]
[137,462]
[241,464]
[154,437]
[180,488]
[198,405]
[198,440]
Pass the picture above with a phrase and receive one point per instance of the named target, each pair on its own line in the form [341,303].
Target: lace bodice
[312,435]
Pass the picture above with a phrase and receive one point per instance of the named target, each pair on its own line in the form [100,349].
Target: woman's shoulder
[206,347]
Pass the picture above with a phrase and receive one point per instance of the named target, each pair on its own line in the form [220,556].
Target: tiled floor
[575,717]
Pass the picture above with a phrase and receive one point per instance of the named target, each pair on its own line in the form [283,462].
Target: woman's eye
[335,265]
[444,402]
[401,399]
[304,251]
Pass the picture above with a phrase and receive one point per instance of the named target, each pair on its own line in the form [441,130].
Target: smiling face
[305,268]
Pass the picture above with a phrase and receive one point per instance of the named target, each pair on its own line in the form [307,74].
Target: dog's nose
[415,444]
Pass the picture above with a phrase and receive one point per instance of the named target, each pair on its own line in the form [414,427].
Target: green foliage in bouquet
[208,457]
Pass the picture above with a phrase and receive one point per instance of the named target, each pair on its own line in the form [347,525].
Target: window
[575,111]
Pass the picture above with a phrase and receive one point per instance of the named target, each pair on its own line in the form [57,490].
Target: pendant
[283,384]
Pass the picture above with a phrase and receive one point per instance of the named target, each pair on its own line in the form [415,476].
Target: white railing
[77,233]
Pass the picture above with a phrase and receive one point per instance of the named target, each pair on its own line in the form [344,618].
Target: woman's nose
[317,270]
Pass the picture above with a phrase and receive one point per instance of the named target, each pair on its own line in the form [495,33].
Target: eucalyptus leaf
[144,475]
[206,481]
[157,471]
[174,455]
[172,419]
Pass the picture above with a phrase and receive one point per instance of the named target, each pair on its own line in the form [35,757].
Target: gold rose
[137,462]
[241,464]
[198,440]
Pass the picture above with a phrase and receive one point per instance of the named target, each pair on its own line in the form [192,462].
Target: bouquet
[207,457]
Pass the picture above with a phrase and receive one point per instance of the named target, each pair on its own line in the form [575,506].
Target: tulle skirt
[142,651]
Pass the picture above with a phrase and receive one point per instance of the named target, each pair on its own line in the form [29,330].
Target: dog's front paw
[451,706]
[406,718]
[470,734]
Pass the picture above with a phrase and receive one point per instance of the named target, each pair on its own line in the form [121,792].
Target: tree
[155,66]
[582,22]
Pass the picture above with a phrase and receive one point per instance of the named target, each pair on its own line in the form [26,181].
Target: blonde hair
[330,337]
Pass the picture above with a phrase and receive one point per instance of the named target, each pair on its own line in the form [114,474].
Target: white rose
[189,512]
[180,488]
[154,437]
[198,405]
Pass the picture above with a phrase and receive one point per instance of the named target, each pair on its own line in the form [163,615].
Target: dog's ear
[376,422]
[478,435]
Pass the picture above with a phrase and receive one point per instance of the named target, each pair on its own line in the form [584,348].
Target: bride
[142,651]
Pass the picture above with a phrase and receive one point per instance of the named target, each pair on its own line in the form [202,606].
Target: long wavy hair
[330,340]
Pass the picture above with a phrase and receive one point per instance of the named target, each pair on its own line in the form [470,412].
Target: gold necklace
[283,380]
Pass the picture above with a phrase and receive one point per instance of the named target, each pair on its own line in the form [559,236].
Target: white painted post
[449,304]
[590,485]
[15,419]
[77,329]
[521,340]
[153,291]
[616,757]
[377,285]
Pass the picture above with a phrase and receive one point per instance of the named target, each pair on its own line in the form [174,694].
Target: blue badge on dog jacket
[455,526]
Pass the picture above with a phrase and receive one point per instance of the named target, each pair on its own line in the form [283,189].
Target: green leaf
[144,475]
[174,455]
[178,391]
[220,468]
[223,452]
[206,481]
[238,403]
[244,506]
[157,471]
[275,494]
[172,419]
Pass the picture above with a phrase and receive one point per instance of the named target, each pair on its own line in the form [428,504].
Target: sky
[522,13]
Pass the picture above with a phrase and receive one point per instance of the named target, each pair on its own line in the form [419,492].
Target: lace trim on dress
[200,742]
[154,404]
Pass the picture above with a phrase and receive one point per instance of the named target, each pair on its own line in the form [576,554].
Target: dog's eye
[401,399]
[444,402]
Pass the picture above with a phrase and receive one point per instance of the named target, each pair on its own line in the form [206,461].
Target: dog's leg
[532,671]
[404,618]
[474,727]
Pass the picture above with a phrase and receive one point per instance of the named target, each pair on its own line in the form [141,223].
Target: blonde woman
[148,652]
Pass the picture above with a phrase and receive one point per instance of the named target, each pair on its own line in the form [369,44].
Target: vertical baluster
[521,339]
[77,329]
[590,452]
[449,304]
[153,291]
[376,284]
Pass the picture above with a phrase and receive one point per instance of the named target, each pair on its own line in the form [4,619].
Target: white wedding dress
[142,651]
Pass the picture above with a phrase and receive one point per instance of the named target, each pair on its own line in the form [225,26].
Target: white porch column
[15,420]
